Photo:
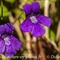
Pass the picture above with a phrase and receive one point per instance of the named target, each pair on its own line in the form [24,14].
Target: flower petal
[38,30]
[27,8]
[10,50]
[35,7]
[2,30]
[15,42]
[2,46]
[26,26]
[44,20]
[9,28]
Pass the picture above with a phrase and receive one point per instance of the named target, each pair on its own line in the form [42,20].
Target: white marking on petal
[7,42]
[33,19]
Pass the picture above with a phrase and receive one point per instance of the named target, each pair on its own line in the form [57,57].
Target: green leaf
[10,1]
[0,10]
[42,4]
[23,16]
[18,12]
[4,12]
[52,35]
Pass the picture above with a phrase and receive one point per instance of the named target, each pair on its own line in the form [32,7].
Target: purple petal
[15,42]
[35,7]
[44,20]
[2,46]
[38,30]
[10,50]
[27,8]
[9,28]
[26,26]
[2,30]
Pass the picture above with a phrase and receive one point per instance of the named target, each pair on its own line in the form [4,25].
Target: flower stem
[46,14]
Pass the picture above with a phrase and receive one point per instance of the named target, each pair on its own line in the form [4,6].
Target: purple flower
[8,43]
[34,21]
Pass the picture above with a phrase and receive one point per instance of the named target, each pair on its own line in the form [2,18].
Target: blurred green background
[49,44]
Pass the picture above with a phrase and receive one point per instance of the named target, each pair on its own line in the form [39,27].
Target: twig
[16,26]
[18,17]
[58,32]
[4,57]
[28,44]
[53,43]
[34,48]
[41,51]
[46,14]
